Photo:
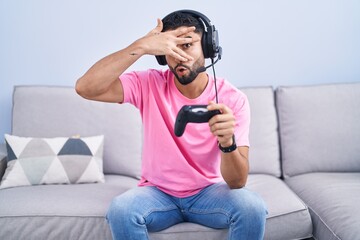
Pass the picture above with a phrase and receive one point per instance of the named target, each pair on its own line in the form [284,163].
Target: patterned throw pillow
[35,161]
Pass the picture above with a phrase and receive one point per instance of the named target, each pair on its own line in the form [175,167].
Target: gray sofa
[304,162]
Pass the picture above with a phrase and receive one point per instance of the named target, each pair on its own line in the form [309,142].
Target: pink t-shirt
[180,166]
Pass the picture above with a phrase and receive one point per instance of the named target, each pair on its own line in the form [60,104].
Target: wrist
[229,146]
[137,48]
[227,143]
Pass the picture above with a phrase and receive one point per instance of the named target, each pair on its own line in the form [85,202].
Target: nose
[178,61]
[172,60]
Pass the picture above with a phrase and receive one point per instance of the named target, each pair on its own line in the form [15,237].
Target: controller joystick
[192,114]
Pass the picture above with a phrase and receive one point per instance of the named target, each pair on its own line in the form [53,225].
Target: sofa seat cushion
[288,217]
[60,211]
[333,200]
[189,231]
[78,211]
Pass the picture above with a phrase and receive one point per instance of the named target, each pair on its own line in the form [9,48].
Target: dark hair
[179,19]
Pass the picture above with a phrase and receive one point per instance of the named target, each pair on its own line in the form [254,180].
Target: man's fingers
[183,30]
[222,121]
[185,40]
[169,42]
[222,128]
[179,54]
[159,26]
[218,106]
[222,125]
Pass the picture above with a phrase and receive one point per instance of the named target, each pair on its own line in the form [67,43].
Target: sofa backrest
[48,111]
[264,155]
[43,111]
[319,128]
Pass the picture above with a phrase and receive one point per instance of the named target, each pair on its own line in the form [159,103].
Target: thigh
[218,206]
[148,206]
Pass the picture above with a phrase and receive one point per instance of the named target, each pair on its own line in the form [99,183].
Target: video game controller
[192,114]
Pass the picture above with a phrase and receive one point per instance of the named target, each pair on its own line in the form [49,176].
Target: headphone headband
[204,19]
[210,38]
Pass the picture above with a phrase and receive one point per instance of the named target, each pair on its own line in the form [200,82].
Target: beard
[190,77]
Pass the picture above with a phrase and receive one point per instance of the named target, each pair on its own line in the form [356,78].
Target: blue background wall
[277,42]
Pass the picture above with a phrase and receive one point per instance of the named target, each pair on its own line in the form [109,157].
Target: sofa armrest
[3,161]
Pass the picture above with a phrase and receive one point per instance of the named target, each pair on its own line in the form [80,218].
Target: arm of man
[101,81]
[234,165]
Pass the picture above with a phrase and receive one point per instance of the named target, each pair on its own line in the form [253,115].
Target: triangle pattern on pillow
[56,144]
[15,176]
[10,153]
[94,143]
[75,146]
[55,174]
[91,170]
[36,148]
[35,168]
[74,169]
[100,151]
[17,144]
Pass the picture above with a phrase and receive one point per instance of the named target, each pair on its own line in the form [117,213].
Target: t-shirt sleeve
[132,83]
[242,115]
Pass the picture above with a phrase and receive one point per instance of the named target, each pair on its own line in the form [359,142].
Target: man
[200,176]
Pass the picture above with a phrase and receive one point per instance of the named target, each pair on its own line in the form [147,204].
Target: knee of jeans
[112,211]
[259,210]
[119,210]
[252,206]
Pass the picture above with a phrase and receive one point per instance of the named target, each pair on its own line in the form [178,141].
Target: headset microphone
[203,69]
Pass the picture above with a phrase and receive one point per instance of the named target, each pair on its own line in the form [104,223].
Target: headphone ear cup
[161,60]
[204,44]
[213,42]
[210,42]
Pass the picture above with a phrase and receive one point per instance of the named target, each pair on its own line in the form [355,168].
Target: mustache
[181,65]
[198,70]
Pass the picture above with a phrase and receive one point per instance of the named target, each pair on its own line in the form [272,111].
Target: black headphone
[209,40]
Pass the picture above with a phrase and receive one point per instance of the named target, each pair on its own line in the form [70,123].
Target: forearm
[102,75]
[234,168]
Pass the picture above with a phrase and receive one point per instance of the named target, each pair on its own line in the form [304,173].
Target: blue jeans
[132,214]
